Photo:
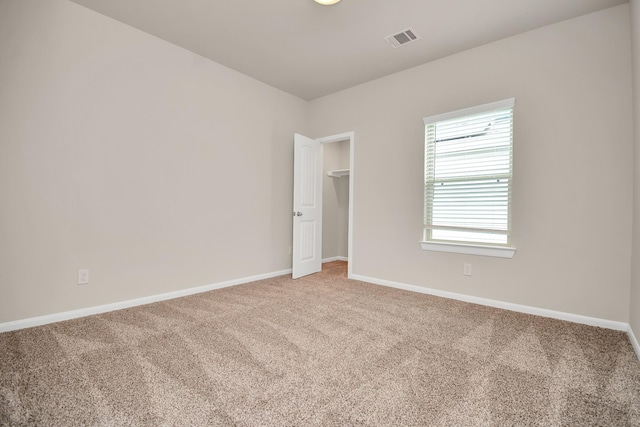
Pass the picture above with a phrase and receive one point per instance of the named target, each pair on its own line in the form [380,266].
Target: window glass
[468,174]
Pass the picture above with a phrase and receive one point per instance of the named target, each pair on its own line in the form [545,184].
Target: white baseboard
[634,342]
[335,258]
[575,318]
[68,315]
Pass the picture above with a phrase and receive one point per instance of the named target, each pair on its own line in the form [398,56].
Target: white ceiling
[311,50]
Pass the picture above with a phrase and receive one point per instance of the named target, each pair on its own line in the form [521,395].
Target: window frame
[467,247]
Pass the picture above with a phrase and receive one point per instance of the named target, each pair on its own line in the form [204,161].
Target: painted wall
[634,306]
[573,166]
[335,201]
[150,166]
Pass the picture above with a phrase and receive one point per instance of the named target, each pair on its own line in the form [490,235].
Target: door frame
[346,136]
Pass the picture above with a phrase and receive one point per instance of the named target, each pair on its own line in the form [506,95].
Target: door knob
[298,213]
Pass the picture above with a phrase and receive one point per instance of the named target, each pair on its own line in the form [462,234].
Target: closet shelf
[338,173]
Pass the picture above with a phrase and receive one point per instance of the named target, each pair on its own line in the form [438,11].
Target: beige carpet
[320,350]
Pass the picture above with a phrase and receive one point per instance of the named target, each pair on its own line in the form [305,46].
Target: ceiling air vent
[403,37]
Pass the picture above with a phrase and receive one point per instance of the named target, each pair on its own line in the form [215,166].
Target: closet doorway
[323,178]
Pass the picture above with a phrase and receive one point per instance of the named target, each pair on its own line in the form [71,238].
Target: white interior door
[307,206]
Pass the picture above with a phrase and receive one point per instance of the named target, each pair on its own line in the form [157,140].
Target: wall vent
[401,38]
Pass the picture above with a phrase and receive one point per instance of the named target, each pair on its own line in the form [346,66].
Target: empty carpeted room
[235,213]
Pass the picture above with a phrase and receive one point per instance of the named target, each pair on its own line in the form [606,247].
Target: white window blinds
[468,173]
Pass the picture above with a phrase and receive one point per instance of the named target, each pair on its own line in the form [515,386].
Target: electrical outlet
[467,269]
[83,277]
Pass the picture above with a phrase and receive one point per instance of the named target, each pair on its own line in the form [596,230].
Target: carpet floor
[321,350]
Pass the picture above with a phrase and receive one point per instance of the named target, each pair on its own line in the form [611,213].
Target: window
[467,180]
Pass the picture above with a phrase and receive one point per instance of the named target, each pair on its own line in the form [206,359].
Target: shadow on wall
[335,202]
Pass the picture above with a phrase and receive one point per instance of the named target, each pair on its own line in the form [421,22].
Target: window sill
[482,250]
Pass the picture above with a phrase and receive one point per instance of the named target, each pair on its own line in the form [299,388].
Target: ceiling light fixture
[327,2]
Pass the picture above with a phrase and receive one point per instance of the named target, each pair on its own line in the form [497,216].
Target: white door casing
[307,206]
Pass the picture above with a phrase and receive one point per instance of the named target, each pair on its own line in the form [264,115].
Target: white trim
[352,159]
[483,250]
[335,138]
[335,258]
[575,318]
[74,314]
[634,341]
[505,103]
[68,315]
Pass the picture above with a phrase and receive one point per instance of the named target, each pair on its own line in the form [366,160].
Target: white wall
[573,166]
[634,306]
[152,167]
